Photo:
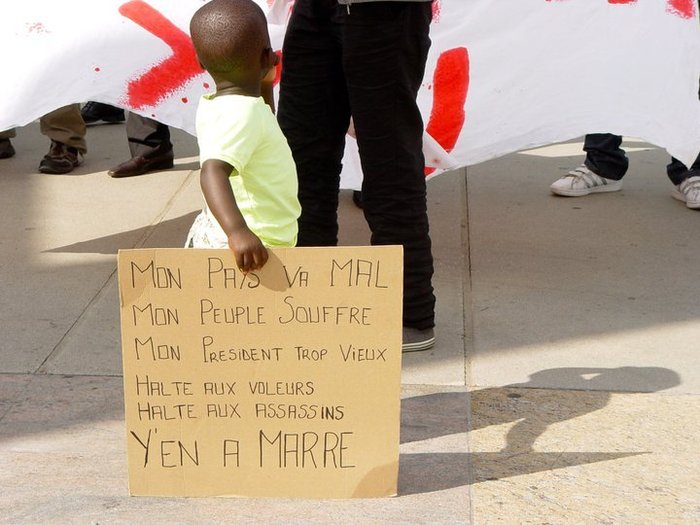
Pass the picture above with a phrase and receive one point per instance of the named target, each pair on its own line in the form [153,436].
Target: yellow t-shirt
[243,132]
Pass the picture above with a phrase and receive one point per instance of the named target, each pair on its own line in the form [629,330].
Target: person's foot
[6,149]
[60,159]
[415,340]
[99,113]
[582,181]
[144,164]
[688,191]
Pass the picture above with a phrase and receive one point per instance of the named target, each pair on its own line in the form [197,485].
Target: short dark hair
[229,34]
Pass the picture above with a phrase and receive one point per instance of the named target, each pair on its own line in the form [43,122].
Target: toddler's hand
[249,251]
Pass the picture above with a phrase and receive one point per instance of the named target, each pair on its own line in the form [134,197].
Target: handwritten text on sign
[283,382]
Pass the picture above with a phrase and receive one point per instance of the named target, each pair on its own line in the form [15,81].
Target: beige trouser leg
[65,125]
[8,134]
[146,136]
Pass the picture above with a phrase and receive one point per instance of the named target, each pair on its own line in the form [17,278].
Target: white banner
[502,75]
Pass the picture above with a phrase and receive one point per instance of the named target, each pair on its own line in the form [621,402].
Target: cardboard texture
[283,382]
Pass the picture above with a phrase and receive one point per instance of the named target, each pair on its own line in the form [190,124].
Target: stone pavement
[563,387]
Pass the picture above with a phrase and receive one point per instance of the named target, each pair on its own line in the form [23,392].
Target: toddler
[248,176]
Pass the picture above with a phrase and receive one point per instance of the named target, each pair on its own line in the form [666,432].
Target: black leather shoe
[143,164]
[99,113]
[60,159]
[6,149]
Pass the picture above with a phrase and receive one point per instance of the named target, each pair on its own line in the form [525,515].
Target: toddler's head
[231,40]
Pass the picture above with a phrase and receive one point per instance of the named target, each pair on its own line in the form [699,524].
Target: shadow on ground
[39,404]
[111,244]
[428,417]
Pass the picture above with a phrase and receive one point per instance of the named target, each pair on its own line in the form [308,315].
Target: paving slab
[47,277]
[497,455]
[93,344]
[562,388]
[64,437]
[562,457]
[597,281]
[445,363]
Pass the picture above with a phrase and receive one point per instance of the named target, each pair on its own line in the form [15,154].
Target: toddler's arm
[246,246]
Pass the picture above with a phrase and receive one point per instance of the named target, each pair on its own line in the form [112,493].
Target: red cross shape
[169,75]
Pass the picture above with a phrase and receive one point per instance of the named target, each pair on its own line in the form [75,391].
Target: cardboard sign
[283,382]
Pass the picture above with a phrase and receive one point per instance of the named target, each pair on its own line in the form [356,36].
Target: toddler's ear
[269,58]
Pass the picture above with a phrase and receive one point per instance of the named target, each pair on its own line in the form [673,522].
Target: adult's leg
[66,126]
[66,129]
[101,113]
[314,115]
[679,172]
[146,136]
[604,156]
[6,148]
[150,147]
[686,182]
[385,46]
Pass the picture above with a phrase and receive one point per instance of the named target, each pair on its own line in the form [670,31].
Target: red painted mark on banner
[278,68]
[37,27]
[682,8]
[437,10]
[450,89]
[168,75]
[290,7]
[609,1]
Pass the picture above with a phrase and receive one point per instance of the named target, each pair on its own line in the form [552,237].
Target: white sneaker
[688,191]
[582,181]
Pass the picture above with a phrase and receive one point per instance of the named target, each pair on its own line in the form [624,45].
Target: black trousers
[606,158]
[367,61]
